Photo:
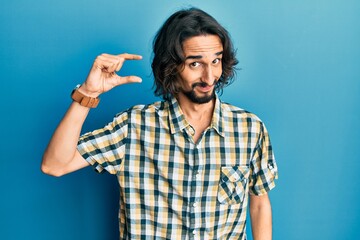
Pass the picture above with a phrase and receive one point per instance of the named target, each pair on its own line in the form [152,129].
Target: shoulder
[235,117]
[231,111]
[154,107]
[144,111]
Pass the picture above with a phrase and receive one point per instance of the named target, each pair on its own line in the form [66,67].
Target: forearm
[61,156]
[261,219]
[62,146]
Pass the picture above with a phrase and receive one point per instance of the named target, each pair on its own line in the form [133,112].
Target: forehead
[202,45]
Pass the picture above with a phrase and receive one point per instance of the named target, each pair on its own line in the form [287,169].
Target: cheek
[188,77]
[182,81]
[218,72]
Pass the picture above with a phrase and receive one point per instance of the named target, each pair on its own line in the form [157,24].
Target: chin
[195,98]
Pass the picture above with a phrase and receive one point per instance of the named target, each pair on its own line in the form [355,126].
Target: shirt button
[192,131]
[195,204]
[194,232]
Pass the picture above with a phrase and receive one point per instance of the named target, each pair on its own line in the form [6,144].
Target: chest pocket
[232,186]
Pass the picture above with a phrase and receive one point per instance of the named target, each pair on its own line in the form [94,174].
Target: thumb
[128,79]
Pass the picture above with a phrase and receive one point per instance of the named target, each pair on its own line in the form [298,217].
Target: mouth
[203,87]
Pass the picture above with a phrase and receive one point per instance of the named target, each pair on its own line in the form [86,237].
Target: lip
[205,89]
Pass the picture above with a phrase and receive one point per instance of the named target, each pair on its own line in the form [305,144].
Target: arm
[61,156]
[260,213]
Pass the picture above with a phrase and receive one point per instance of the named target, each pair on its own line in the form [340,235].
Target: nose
[208,76]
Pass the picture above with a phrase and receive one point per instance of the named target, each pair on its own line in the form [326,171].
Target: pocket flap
[234,173]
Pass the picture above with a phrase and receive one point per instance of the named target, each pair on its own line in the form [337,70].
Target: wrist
[84,90]
[83,99]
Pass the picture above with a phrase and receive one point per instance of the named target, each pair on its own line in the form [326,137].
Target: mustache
[202,84]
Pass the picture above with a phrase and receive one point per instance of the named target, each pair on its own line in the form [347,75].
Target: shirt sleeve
[104,148]
[263,165]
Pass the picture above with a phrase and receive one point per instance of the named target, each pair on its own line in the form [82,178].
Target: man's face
[202,68]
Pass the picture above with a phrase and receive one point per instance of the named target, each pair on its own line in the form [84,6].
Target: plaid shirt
[174,188]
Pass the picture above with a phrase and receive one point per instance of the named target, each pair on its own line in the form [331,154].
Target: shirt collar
[178,122]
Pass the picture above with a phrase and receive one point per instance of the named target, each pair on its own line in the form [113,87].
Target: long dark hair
[168,51]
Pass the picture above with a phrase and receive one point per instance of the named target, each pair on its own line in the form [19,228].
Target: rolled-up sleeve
[263,167]
[104,148]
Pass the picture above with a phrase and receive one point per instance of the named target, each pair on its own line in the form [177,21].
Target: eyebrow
[199,56]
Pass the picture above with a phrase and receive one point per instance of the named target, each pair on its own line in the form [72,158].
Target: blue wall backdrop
[300,74]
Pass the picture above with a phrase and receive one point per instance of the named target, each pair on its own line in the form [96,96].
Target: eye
[217,60]
[194,64]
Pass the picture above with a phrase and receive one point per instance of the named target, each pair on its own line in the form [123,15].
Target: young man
[188,165]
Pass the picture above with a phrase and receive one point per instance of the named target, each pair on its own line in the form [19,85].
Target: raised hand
[103,76]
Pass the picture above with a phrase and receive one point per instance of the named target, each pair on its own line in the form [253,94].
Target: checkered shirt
[174,188]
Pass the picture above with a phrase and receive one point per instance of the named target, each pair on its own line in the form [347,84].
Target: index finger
[129,56]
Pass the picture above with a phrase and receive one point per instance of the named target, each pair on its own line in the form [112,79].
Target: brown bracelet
[84,100]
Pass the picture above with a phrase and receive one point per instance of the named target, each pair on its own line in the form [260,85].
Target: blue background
[300,74]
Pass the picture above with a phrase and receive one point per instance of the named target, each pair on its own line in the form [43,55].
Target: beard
[193,97]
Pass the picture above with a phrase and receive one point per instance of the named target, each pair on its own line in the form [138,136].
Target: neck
[195,111]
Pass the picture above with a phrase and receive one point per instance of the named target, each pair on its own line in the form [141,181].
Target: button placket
[197,191]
